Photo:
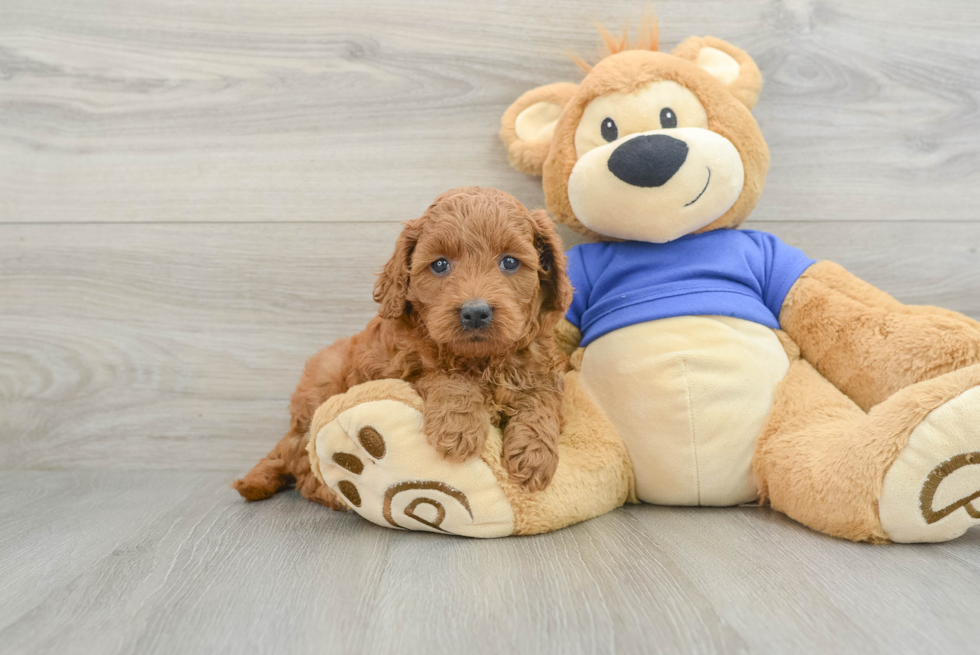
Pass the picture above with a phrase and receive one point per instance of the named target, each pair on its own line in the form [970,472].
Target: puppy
[469,304]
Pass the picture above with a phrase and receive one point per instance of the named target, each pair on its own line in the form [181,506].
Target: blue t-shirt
[740,273]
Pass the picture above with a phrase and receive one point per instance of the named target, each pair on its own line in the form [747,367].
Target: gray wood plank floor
[194,197]
[169,562]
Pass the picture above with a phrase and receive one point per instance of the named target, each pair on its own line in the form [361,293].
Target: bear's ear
[528,125]
[729,65]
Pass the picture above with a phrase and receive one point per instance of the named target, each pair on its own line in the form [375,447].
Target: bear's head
[649,146]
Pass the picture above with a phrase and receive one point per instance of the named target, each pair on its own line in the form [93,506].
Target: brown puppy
[469,303]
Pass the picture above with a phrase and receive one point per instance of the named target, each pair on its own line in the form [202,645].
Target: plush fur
[528,156]
[867,344]
[508,374]
[594,473]
[624,70]
[822,460]
[865,369]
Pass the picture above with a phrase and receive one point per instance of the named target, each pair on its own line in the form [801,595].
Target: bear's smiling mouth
[702,190]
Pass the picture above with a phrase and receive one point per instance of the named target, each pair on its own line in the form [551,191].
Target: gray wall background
[194,196]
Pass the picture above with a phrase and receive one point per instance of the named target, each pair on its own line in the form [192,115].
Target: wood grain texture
[305,110]
[178,345]
[202,572]
[56,526]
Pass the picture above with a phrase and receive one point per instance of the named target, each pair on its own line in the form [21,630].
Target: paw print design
[943,472]
[932,491]
[376,456]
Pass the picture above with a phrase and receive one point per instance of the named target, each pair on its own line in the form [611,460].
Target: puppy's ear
[391,288]
[556,288]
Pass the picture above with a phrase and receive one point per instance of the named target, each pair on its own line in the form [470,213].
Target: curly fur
[509,375]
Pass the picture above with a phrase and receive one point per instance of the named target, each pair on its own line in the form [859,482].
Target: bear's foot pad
[376,456]
[932,491]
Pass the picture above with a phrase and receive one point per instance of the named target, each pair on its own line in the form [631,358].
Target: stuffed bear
[709,365]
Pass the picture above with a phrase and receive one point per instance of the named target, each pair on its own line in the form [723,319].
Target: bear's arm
[868,344]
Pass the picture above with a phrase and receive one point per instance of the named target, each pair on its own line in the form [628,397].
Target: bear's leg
[907,471]
[868,344]
[368,445]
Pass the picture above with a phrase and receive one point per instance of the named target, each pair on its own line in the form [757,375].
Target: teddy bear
[709,365]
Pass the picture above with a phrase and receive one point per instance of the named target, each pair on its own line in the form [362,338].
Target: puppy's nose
[649,160]
[475,314]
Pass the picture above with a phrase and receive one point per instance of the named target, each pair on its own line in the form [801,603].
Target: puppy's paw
[455,444]
[456,436]
[529,459]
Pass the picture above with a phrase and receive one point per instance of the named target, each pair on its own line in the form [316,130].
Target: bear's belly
[689,397]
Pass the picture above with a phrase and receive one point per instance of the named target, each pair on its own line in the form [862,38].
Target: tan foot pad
[932,491]
[376,456]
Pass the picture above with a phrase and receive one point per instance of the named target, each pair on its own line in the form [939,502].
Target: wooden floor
[194,197]
[167,562]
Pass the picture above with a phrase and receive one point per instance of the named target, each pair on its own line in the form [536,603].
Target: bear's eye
[609,130]
[509,264]
[440,266]
[668,119]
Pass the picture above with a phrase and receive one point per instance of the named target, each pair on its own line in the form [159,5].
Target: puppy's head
[479,272]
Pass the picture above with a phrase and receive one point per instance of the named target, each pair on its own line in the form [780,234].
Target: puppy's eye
[509,264]
[668,119]
[609,130]
[440,266]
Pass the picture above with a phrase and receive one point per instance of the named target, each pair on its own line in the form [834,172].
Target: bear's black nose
[648,160]
[475,314]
